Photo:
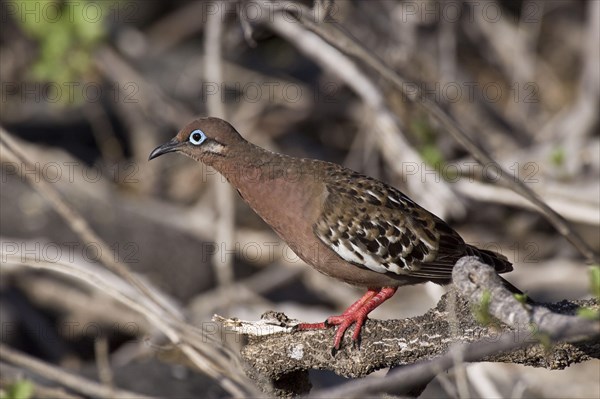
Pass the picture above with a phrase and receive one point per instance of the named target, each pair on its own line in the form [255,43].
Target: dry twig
[213,72]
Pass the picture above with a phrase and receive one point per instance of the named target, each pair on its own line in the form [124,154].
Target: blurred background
[89,88]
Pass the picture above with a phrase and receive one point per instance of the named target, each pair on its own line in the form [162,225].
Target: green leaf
[67,33]
[521,298]
[595,281]
[482,310]
[588,313]
[432,156]
[557,157]
[22,389]
[422,130]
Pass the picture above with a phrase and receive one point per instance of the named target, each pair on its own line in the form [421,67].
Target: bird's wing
[372,225]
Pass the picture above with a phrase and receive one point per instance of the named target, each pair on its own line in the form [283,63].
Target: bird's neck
[247,165]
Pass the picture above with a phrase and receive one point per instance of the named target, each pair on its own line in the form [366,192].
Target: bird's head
[204,139]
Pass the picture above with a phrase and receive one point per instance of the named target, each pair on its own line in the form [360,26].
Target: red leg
[359,316]
[335,320]
[355,314]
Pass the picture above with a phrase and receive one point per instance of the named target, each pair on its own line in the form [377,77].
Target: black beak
[169,146]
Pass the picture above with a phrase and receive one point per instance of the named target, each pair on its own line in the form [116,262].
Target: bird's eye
[197,137]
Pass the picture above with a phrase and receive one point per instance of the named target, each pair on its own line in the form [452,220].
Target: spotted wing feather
[372,225]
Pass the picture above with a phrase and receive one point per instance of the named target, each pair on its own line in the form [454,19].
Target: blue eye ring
[197,137]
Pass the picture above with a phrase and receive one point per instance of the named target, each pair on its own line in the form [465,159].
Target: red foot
[356,313]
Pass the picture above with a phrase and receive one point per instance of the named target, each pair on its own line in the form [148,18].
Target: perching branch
[275,352]
[474,279]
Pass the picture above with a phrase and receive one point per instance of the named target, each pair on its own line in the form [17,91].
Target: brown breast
[291,201]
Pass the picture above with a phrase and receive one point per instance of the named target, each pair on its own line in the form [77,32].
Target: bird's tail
[501,264]
[499,261]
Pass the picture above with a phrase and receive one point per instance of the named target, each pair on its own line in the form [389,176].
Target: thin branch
[53,373]
[105,373]
[573,209]
[213,73]
[10,375]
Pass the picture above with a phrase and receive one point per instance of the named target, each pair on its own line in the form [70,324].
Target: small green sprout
[482,310]
[22,389]
[521,298]
[557,157]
